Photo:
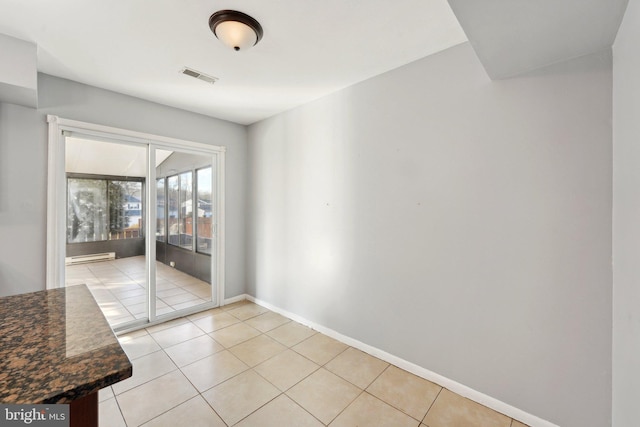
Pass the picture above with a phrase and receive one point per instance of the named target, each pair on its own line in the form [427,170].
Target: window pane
[172,222]
[186,210]
[86,210]
[205,211]
[125,210]
[160,223]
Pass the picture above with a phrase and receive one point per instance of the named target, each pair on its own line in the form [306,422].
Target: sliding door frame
[56,203]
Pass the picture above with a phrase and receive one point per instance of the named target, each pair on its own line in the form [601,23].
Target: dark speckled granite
[56,346]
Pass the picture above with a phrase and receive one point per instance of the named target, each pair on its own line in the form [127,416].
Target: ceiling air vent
[198,75]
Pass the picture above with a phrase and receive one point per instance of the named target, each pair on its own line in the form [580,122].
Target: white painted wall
[461,224]
[23,171]
[626,220]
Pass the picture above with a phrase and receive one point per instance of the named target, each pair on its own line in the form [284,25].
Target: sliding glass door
[140,225]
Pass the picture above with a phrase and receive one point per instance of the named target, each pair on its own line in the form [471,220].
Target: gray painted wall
[626,224]
[516,36]
[23,199]
[461,224]
[23,171]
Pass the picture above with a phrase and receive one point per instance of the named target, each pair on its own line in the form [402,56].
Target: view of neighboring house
[132,207]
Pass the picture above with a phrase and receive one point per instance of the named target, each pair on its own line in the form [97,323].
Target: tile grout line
[390,405]
[323,366]
[115,396]
[257,409]
[250,369]
[199,394]
[389,365]
[206,401]
[287,348]
[148,381]
[129,271]
[280,393]
[345,408]
[431,406]
[119,409]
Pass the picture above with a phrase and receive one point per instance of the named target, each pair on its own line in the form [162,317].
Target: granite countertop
[56,346]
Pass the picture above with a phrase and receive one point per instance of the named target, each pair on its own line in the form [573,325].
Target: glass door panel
[105,246]
[184,232]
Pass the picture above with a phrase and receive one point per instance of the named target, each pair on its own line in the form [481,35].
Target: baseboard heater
[82,259]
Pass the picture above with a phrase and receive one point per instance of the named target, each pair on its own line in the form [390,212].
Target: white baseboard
[447,383]
[237,298]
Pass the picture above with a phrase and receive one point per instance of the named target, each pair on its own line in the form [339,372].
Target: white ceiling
[511,37]
[310,48]
[89,156]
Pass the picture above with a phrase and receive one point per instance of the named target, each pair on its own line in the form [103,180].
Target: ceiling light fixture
[237,30]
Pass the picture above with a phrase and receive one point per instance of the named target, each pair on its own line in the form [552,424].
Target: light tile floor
[242,365]
[119,287]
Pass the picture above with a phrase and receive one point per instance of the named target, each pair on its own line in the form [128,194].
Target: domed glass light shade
[235,29]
